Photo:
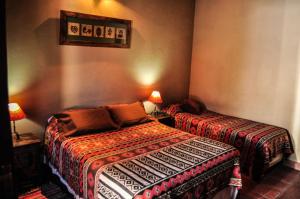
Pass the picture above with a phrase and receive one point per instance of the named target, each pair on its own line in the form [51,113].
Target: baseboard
[292,164]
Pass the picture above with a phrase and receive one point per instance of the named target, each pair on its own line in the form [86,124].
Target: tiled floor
[281,182]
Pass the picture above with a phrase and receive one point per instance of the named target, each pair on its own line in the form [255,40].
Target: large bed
[141,161]
[261,145]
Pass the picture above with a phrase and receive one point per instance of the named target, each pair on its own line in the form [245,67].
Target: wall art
[91,30]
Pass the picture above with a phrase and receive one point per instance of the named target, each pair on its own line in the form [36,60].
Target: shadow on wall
[44,93]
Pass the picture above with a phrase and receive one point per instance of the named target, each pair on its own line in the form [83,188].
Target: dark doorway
[6,153]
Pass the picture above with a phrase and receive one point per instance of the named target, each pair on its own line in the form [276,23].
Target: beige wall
[246,60]
[45,77]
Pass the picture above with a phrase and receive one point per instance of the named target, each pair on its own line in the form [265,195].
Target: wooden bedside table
[164,119]
[27,162]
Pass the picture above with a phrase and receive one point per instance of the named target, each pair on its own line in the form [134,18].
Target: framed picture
[91,30]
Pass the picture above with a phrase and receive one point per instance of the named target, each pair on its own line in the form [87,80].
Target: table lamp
[156,99]
[16,113]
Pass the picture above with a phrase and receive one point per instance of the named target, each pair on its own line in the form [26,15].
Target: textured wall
[45,77]
[246,60]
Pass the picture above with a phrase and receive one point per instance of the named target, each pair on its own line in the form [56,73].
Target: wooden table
[27,162]
[164,119]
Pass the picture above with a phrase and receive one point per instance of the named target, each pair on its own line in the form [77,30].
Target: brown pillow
[65,124]
[193,106]
[88,120]
[127,114]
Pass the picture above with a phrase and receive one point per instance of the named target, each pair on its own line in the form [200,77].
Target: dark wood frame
[6,150]
[80,40]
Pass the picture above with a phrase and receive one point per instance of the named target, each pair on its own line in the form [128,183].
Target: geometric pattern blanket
[257,142]
[143,161]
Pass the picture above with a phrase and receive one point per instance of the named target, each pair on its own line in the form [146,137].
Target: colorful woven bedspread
[257,142]
[142,161]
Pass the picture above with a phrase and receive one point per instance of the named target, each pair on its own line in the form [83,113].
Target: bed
[147,160]
[261,145]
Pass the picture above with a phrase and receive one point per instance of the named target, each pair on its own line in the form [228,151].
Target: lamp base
[15,132]
[156,112]
[17,135]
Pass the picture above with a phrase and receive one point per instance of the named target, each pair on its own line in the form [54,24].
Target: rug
[47,191]
[33,194]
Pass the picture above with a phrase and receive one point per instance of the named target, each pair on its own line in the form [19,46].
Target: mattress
[142,161]
[258,143]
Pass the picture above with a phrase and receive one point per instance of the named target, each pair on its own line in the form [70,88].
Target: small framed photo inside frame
[91,30]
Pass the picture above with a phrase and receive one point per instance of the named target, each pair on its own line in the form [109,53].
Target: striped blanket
[257,142]
[143,161]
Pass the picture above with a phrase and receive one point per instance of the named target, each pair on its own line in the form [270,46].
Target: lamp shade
[15,112]
[155,97]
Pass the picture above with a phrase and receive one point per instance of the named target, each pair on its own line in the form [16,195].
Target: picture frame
[91,30]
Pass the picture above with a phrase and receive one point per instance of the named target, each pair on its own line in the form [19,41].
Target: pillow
[128,114]
[65,124]
[193,106]
[87,121]
[172,109]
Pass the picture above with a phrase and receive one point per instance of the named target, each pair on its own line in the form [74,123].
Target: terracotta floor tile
[261,189]
[280,183]
[250,195]
[272,194]
[283,173]
[292,193]
[276,182]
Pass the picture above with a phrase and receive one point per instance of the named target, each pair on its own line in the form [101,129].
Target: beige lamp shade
[15,112]
[155,97]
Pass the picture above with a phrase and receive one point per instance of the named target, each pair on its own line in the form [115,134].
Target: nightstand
[27,162]
[165,119]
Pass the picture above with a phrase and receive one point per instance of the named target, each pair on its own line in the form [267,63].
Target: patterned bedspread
[142,161]
[257,142]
